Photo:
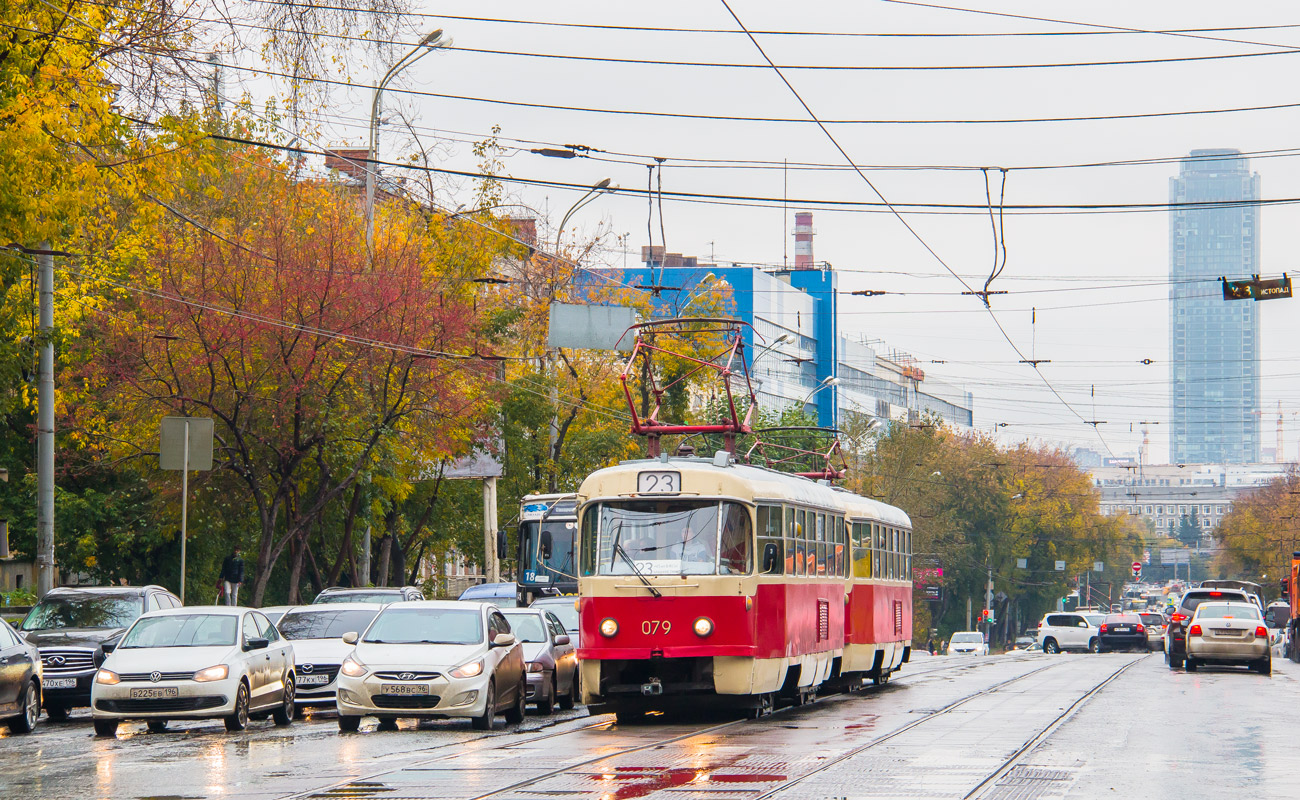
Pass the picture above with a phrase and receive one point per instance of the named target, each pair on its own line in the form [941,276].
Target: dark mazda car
[70,626]
[1122,632]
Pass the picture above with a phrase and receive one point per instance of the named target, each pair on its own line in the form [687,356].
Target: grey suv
[69,627]
[1176,631]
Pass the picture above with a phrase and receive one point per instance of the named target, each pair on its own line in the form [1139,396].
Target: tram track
[506,740]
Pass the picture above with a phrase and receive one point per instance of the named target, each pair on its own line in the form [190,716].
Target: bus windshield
[546,553]
[668,537]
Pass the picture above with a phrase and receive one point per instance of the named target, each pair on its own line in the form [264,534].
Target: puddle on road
[645,781]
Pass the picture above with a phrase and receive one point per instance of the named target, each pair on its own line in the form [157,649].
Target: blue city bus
[548,524]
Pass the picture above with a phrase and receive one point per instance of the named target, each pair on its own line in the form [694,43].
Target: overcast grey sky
[1098,280]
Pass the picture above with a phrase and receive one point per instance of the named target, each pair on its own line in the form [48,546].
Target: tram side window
[874,544]
[735,553]
[839,555]
[908,550]
[861,550]
[800,544]
[898,554]
[769,533]
[821,544]
[789,541]
[589,522]
[891,549]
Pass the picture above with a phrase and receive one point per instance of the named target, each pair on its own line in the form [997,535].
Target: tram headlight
[608,627]
[703,627]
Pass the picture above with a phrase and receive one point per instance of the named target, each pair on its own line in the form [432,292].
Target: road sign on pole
[185,443]
[1137,569]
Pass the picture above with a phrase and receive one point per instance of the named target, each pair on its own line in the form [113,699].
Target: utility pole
[45,429]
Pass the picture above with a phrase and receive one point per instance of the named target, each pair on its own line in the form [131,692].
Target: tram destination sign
[1257,288]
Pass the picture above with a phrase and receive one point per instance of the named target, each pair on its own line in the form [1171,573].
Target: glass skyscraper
[1213,343]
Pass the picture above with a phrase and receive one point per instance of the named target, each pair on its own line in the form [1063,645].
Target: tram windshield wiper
[618,548]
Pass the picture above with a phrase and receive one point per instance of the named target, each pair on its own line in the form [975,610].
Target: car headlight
[353,668]
[471,670]
[536,666]
[107,677]
[218,673]
[703,626]
[608,627]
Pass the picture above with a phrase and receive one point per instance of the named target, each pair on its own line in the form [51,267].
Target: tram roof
[771,484]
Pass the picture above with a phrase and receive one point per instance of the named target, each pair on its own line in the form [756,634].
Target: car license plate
[59,683]
[1123,629]
[1227,632]
[159,693]
[313,680]
[403,688]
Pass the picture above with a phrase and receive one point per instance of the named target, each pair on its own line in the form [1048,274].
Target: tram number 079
[653,626]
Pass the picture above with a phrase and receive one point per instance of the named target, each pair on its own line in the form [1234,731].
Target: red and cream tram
[705,581]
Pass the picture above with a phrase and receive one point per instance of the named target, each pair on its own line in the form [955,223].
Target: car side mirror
[108,647]
[770,558]
[563,638]
[350,637]
[257,643]
[1083,624]
[503,640]
[546,542]
[502,549]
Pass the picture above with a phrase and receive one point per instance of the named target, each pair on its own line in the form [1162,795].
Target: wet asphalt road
[1025,726]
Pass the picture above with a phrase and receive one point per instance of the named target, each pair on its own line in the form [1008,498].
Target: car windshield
[565,611]
[968,638]
[83,611]
[182,630]
[358,597]
[324,624]
[528,627]
[397,625]
[1227,611]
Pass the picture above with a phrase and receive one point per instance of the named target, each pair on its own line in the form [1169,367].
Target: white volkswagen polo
[433,659]
[196,662]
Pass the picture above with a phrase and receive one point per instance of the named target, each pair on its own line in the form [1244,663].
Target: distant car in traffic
[1059,632]
[1023,643]
[550,657]
[501,595]
[1155,624]
[70,627]
[433,659]
[1253,590]
[370,594]
[1228,633]
[1122,632]
[1176,630]
[566,609]
[274,613]
[968,643]
[204,662]
[20,681]
[316,632]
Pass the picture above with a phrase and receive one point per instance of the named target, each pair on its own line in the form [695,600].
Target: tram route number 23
[659,482]
[653,626]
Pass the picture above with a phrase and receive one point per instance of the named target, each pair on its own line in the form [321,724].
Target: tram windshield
[668,537]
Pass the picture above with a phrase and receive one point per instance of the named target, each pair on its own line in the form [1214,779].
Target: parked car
[1122,632]
[1176,630]
[565,608]
[70,627]
[316,632]
[1228,633]
[370,594]
[433,659]
[1069,631]
[550,656]
[1155,624]
[1023,643]
[20,681]
[968,643]
[501,595]
[274,613]
[201,662]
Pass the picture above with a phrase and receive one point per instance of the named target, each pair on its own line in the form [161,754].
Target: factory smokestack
[803,236]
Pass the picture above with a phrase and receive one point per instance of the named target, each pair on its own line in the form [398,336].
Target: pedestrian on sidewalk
[232,575]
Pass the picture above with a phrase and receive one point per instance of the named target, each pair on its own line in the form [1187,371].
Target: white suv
[1068,631]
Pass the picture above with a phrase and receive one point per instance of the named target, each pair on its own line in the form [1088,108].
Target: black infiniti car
[70,626]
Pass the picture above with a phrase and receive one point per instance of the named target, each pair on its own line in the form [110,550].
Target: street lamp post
[828,381]
[425,46]
[553,435]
